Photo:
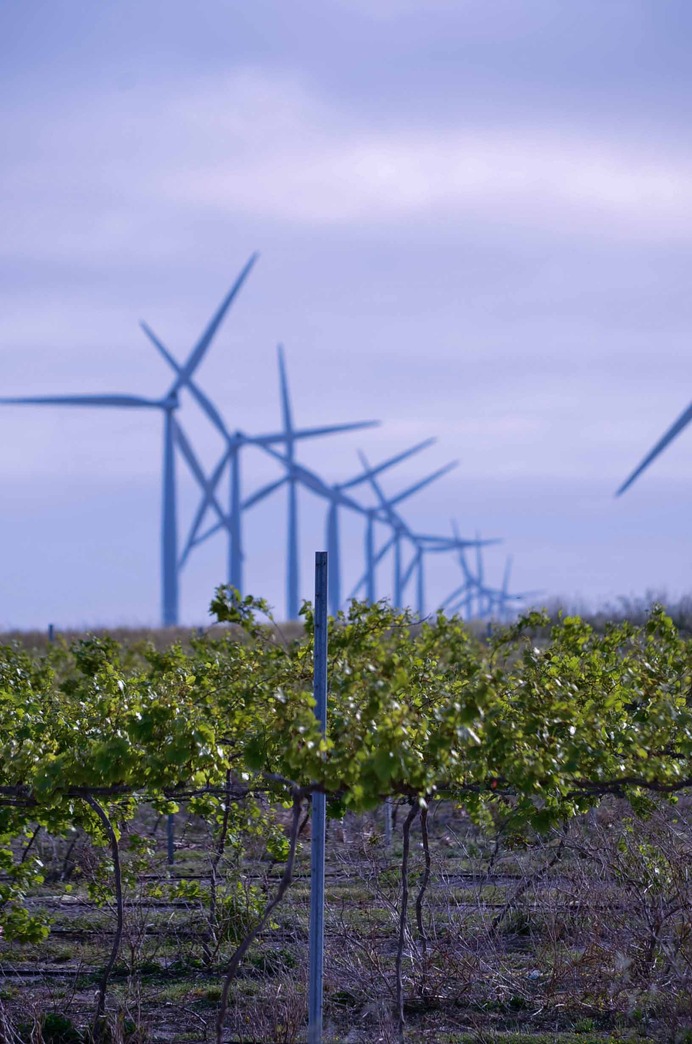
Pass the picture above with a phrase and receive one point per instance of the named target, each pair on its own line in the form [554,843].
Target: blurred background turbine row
[474,223]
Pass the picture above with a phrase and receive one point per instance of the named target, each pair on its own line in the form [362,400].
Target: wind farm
[345,572]
[394,555]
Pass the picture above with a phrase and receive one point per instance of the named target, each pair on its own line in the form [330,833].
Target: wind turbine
[472,585]
[336,497]
[168,404]
[503,599]
[472,589]
[679,425]
[294,475]
[500,601]
[333,519]
[429,544]
[292,480]
[399,528]
[230,460]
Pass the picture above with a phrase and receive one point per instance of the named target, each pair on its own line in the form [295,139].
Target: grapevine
[533,732]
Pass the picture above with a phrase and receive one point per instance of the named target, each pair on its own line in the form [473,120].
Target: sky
[474,221]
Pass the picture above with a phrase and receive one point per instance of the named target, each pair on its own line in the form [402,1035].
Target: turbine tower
[168,404]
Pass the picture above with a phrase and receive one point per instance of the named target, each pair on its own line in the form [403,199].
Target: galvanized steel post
[316,942]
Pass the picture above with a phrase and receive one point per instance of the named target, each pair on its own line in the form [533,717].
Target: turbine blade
[160,347]
[195,467]
[461,589]
[129,401]
[424,482]
[682,422]
[208,407]
[408,572]
[311,480]
[451,543]
[388,463]
[285,398]
[316,485]
[208,533]
[392,517]
[202,509]
[262,493]
[356,589]
[385,504]
[199,351]
[468,575]
[376,560]
[333,429]
[384,549]
[204,402]
[309,433]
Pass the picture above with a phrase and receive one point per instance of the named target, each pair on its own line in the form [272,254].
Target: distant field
[634,610]
[160,637]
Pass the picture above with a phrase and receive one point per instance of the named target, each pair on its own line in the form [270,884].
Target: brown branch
[214,937]
[424,881]
[65,872]
[615,786]
[413,812]
[531,880]
[30,843]
[115,852]
[305,820]
[244,946]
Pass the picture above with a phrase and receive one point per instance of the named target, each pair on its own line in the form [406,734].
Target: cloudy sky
[475,222]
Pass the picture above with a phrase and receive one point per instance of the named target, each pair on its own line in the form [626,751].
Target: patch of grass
[55,1028]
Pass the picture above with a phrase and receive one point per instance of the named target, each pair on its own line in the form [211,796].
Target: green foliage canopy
[416,710]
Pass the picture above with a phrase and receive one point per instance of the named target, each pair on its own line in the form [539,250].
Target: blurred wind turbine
[333,521]
[295,475]
[172,436]
[231,521]
[426,544]
[471,589]
[400,530]
[504,600]
[335,497]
